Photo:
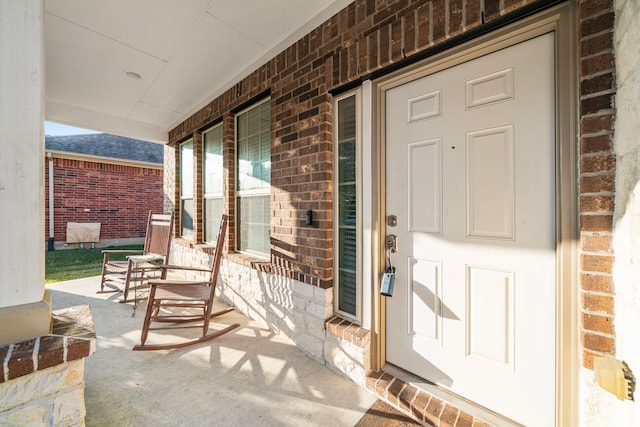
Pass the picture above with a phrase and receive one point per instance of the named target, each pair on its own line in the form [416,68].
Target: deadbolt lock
[392,221]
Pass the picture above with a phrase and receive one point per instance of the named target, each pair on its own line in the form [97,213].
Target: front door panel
[471,178]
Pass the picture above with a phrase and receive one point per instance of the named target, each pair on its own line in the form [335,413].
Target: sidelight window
[347,206]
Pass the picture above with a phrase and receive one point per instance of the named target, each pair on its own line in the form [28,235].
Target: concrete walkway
[248,377]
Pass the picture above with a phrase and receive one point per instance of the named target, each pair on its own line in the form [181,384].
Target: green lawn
[78,263]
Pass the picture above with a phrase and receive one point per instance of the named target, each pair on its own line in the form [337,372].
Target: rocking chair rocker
[182,297]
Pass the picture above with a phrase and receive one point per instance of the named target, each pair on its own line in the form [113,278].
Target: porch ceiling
[187,53]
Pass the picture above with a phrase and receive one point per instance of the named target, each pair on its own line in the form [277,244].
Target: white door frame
[560,21]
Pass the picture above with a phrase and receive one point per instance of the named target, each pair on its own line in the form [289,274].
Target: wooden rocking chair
[182,298]
[141,264]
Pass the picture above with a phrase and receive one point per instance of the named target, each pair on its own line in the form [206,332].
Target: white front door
[470,176]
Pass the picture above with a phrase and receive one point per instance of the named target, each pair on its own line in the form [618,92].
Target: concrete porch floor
[248,377]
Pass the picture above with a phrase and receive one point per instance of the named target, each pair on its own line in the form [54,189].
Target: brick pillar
[597,165]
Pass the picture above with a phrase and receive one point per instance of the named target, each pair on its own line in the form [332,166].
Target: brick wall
[364,38]
[370,37]
[117,196]
[597,180]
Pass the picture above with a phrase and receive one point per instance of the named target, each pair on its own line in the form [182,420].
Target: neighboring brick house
[106,179]
[303,228]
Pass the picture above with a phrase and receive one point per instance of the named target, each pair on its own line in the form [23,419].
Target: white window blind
[254,179]
[213,182]
[186,189]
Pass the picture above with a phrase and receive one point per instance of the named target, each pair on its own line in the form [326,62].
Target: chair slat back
[159,229]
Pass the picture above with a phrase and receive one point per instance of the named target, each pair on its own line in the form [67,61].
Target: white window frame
[239,194]
[211,195]
[357,317]
[183,198]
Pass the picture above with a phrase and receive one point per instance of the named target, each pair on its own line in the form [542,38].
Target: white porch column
[23,311]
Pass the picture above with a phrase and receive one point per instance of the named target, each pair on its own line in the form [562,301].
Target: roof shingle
[107,145]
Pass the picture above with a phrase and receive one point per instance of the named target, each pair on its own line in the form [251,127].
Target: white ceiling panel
[205,62]
[146,113]
[91,70]
[187,52]
[156,27]
[256,20]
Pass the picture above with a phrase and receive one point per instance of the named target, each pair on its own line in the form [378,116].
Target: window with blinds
[186,189]
[213,169]
[346,205]
[253,128]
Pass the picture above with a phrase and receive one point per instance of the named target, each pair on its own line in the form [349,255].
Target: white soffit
[188,52]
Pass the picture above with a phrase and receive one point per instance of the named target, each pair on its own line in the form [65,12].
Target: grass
[70,264]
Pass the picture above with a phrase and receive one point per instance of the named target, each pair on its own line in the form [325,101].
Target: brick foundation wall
[118,196]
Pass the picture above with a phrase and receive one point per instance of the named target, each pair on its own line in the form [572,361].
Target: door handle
[392,243]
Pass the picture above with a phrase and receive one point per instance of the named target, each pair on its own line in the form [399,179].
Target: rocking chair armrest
[160,282]
[107,253]
[183,267]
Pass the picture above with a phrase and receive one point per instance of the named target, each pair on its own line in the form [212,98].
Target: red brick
[491,9]
[21,362]
[51,352]
[591,8]
[77,349]
[596,222]
[464,420]
[596,44]
[455,17]
[597,183]
[510,5]
[473,16]
[596,323]
[371,380]
[597,64]
[596,104]
[383,384]
[600,83]
[597,163]
[596,263]
[597,303]
[433,410]
[406,397]
[587,359]
[394,390]
[438,26]
[419,404]
[409,33]
[596,203]
[424,26]
[597,283]
[598,343]
[596,243]
[449,416]
[598,24]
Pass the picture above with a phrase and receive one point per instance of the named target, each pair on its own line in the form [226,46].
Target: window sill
[251,261]
[258,263]
[348,331]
